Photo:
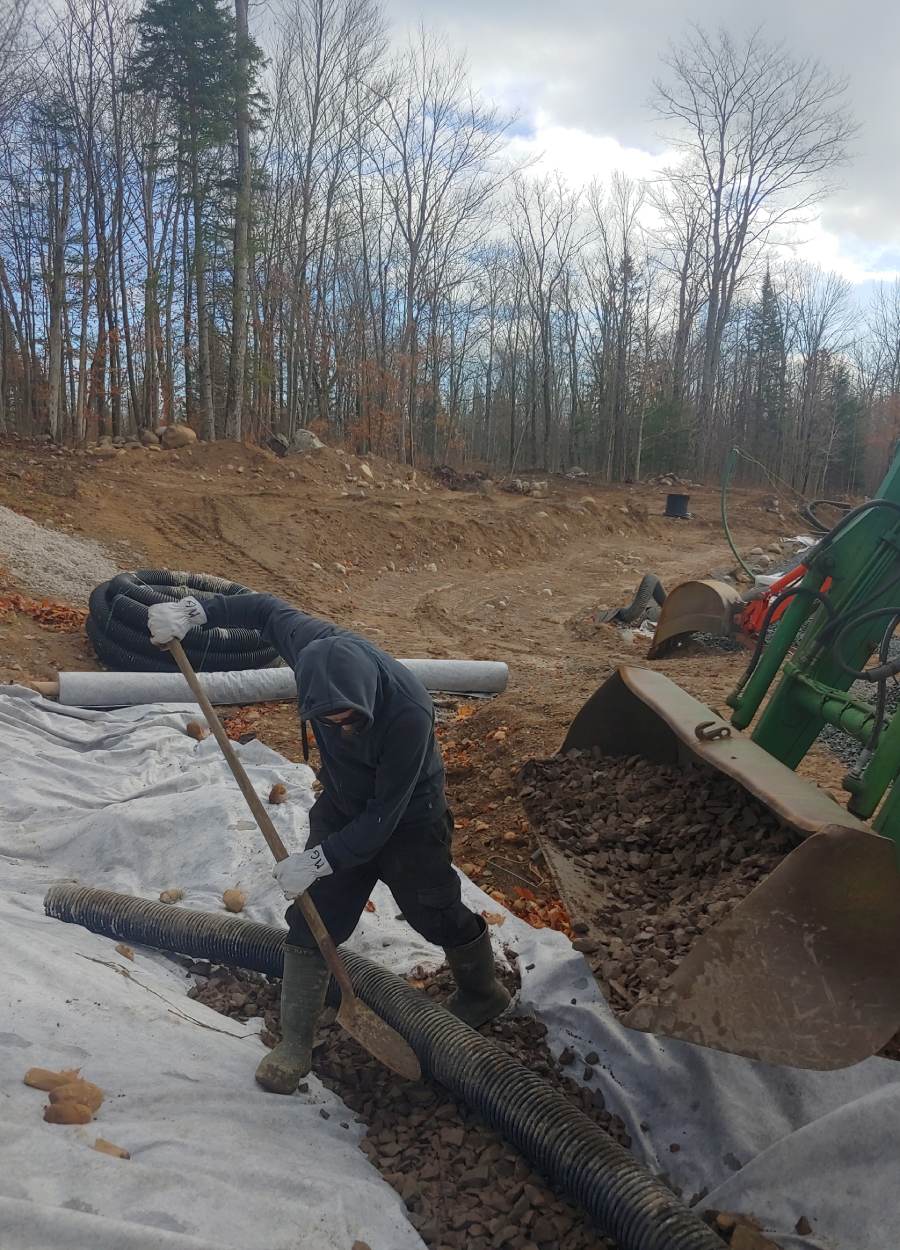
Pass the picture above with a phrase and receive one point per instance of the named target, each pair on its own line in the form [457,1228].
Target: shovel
[378,1038]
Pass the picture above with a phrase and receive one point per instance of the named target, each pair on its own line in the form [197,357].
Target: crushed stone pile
[48,562]
[464,1187]
[670,849]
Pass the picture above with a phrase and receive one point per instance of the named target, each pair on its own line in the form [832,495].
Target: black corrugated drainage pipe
[578,1157]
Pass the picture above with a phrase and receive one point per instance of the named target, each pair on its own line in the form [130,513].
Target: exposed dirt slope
[420,569]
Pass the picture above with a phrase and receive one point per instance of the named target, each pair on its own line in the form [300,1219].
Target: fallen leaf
[84,1092]
[370,906]
[125,950]
[234,900]
[465,711]
[494,917]
[45,1079]
[107,1148]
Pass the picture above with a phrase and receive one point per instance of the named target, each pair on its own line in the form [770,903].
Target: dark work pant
[416,867]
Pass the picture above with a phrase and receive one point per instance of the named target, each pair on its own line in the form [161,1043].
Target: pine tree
[768,376]
[190,54]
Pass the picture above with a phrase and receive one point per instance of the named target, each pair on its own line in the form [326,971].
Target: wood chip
[109,1148]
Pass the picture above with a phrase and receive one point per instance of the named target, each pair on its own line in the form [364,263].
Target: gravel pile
[50,563]
[671,850]
[464,1187]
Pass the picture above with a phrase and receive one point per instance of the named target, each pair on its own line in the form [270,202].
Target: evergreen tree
[768,373]
[190,54]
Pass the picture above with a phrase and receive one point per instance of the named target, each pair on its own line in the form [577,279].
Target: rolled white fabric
[260,685]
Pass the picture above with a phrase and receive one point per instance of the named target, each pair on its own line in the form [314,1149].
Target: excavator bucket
[803,970]
[700,607]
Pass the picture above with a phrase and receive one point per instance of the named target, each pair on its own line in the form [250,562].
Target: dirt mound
[671,850]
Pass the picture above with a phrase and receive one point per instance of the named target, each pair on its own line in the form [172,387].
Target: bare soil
[422,570]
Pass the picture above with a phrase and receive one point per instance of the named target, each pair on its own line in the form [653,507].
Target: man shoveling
[382,813]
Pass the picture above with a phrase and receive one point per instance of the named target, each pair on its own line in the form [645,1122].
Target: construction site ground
[422,570]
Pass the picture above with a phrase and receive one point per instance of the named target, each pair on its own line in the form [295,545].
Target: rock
[305,442]
[176,436]
[803,1228]
[341,568]
[576,471]
[171,896]
[234,900]
[756,551]
[763,561]
[366,471]
[585,946]
[153,447]
[149,438]
[547,591]
[103,451]
[431,568]
[105,440]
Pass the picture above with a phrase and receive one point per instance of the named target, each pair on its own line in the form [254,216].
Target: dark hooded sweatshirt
[390,769]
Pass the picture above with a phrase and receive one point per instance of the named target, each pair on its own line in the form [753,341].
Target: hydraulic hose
[117,624]
[622,1198]
[727,475]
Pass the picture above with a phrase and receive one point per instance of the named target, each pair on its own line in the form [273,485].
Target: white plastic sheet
[128,801]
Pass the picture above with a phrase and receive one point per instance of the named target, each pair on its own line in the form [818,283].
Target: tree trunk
[60,226]
[235,395]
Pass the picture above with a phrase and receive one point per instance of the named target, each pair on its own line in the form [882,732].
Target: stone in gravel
[803,1228]
[591,1057]
[586,946]
[566,1057]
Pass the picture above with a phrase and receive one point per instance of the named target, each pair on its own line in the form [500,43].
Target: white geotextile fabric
[127,801]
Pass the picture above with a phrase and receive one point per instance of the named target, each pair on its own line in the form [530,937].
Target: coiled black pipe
[649,591]
[117,624]
[577,1156]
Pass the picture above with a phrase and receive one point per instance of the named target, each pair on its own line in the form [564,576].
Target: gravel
[670,851]
[464,1187]
[50,563]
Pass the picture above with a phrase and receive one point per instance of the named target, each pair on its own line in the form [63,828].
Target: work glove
[297,873]
[173,620]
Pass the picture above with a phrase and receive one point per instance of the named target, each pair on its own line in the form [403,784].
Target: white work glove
[173,620]
[297,873]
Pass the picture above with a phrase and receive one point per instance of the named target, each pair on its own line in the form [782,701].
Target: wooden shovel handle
[307,907]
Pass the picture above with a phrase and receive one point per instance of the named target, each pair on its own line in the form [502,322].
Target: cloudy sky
[579,74]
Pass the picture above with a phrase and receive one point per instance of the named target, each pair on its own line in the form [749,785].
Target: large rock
[175,436]
[148,437]
[304,441]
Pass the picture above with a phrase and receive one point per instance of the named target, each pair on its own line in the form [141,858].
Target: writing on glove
[297,873]
[167,621]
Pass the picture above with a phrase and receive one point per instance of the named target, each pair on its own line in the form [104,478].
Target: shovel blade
[803,972]
[378,1038]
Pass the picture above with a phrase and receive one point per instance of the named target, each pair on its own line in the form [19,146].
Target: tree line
[300,226]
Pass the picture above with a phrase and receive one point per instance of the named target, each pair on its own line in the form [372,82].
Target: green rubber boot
[479,995]
[302,998]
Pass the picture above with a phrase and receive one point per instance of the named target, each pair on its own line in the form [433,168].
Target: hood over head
[335,674]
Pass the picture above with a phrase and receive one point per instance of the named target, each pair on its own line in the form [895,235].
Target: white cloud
[579,156]
[846,255]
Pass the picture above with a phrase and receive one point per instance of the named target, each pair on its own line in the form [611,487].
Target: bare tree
[760,136]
